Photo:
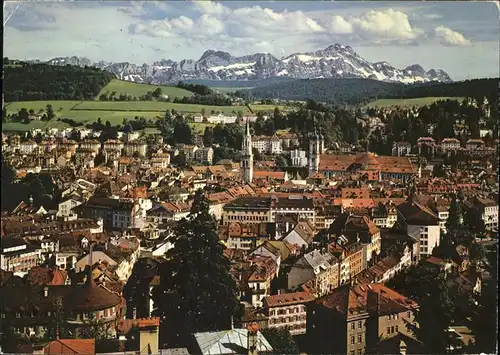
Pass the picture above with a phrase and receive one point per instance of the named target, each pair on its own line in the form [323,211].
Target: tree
[473,221]
[256,154]
[206,302]
[94,328]
[208,136]
[281,340]
[23,115]
[281,161]
[438,171]
[50,112]
[452,223]
[58,321]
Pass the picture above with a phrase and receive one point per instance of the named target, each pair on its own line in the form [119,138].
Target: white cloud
[451,38]
[388,25]
[340,25]
[211,8]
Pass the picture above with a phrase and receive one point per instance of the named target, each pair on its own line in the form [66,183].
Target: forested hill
[37,81]
[361,91]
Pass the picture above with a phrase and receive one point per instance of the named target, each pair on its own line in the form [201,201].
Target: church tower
[314,152]
[247,156]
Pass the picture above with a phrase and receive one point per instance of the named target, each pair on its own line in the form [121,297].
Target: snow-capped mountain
[335,61]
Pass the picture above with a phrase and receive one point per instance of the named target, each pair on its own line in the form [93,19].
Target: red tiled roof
[286,299]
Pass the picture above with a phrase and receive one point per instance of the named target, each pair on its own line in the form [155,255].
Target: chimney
[252,338]
[148,335]
[402,347]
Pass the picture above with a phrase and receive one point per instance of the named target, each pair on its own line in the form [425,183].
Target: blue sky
[460,37]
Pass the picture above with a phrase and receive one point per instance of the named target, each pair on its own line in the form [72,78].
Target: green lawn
[420,101]
[199,128]
[136,89]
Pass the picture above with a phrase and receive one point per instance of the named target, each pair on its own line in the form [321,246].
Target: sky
[461,38]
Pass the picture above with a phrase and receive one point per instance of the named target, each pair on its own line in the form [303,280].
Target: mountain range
[335,61]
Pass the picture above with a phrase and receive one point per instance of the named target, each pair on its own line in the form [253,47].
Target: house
[27,147]
[168,211]
[421,224]
[488,210]
[358,315]
[204,155]
[268,250]
[450,144]
[357,229]
[298,157]
[115,213]
[247,235]
[321,267]
[65,208]
[351,256]
[188,151]
[473,144]
[301,235]
[288,311]
[160,160]
[27,309]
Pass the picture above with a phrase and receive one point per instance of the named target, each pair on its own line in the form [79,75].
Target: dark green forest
[361,91]
[37,81]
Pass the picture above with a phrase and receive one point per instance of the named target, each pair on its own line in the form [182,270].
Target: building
[321,267]
[27,309]
[267,145]
[27,147]
[135,147]
[488,210]
[428,144]
[247,156]
[18,256]
[472,144]
[316,146]
[288,311]
[353,318]
[204,155]
[160,160]
[421,224]
[357,229]
[450,144]
[91,144]
[401,149]
[298,157]
[115,213]
[254,209]
[367,164]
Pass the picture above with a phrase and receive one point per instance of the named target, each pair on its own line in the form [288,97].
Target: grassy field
[420,101]
[113,111]
[199,128]
[136,89]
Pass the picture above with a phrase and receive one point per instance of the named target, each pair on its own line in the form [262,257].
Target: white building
[204,155]
[268,145]
[298,157]
[421,224]
[401,149]
[450,144]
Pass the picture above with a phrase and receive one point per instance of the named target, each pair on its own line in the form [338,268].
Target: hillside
[137,89]
[363,91]
[37,81]
[336,91]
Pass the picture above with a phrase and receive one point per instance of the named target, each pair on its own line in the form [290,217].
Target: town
[280,178]
[341,239]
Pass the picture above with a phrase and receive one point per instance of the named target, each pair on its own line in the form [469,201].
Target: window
[409,314]
[396,328]
[352,352]
[18,315]
[360,324]
[3,315]
[392,329]
[352,340]
[388,330]
[359,338]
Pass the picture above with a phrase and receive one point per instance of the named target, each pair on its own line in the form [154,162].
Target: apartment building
[267,145]
[450,144]
[421,224]
[298,157]
[135,147]
[288,311]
